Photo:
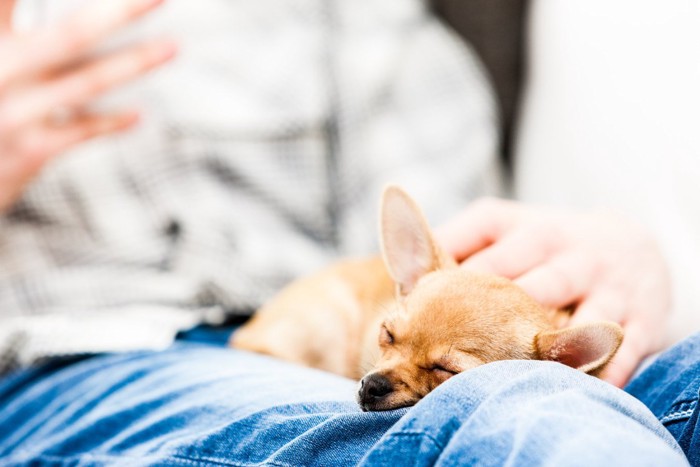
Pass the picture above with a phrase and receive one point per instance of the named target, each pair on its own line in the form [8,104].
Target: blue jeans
[670,387]
[198,404]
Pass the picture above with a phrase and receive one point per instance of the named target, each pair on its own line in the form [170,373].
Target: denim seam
[96,457]
[676,416]
[425,434]
[213,460]
[184,460]
[679,410]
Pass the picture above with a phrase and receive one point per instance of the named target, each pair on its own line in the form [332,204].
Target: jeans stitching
[679,410]
[71,459]
[228,462]
[174,458]
[424,434]
[672,417]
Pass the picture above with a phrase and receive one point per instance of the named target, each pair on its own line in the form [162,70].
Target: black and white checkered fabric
[261,156]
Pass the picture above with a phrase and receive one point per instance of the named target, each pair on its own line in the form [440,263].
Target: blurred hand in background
[606,267]
[47,81]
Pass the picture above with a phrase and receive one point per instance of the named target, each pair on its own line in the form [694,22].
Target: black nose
[373,389]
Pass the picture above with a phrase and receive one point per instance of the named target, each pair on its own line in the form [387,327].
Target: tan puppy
[415,318]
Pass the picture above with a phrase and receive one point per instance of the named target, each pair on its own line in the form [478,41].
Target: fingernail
[166,50]
[146,4]
[128,118]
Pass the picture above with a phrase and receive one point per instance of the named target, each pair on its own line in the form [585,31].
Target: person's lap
[197,403]
[670,387]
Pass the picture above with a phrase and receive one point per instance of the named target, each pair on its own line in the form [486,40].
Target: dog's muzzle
[374,390]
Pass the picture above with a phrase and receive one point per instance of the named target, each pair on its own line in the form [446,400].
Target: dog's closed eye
[385,336]
[442,371]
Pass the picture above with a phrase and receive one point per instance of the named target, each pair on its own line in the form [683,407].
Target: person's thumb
[628,357]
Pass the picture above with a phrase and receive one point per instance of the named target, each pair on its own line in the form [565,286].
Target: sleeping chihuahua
[415,318]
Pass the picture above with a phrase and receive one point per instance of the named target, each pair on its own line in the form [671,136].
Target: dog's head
[447,320]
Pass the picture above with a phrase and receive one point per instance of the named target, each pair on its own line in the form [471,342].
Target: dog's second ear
[587,347]
[408,248]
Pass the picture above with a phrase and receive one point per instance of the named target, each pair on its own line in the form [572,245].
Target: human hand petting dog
[407,322]
[605,266]
[46,82]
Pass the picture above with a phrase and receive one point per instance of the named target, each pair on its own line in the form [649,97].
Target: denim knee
[527,412]
[670,387]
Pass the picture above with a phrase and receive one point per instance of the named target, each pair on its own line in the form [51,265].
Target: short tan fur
[413,319]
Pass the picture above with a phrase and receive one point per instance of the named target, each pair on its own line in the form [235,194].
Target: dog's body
[414,318]
[328,320]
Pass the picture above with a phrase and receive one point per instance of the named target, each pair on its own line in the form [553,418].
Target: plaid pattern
[261,157]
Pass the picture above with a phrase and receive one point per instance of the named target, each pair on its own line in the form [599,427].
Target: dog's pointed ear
[588,347]
[408,247]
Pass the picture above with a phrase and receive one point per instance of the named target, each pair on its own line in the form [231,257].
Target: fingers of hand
[608,305]
[515,253]
[479,225]
[51,140]
[68,41]
[560,281]
[82,85]
[628,357]
[28,156]
[603,304]
[86,127]
[7,8]
[28,153]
